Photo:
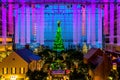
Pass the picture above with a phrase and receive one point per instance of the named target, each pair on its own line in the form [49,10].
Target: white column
[100,27]
[33,23]
[28,24]
[89,25]
[106,17]
[38,25]
[83,21]
[111,23]
[79,26]
[74,24]
[4,23]
[10,17]
[42,25]
[93,36]
[17,23]
[22,27]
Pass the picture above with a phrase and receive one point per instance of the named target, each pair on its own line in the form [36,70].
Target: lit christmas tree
[58,43]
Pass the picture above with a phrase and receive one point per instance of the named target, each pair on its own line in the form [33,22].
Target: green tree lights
[58,43]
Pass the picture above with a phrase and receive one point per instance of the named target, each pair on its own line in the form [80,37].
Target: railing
[61,1]
[113,48]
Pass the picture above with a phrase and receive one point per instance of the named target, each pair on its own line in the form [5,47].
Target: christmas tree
[58,43]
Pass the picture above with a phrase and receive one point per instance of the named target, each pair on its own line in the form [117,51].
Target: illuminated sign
[114,66]
[58,72]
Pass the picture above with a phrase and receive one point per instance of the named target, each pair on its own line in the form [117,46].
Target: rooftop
[27,55]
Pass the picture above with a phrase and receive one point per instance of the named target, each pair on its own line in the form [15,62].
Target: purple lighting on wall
[106,18]
[83,20]
[79,26]
[4,23]
[10,17]
[38,25]
[33,21]
[42,25]
[88,25]
[93,23]
[22,39]
[75,24]
[16,24]
[111,23]
[100,26]
[28,23]
[118,22]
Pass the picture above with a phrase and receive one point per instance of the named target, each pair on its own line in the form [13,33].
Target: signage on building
[58,72]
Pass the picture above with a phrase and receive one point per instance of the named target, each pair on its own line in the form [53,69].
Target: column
[74,24]
[100,27]
[112,23]
[106,17]
[33,23]
[28,24]
[4,23]
[42,25]
[22,27]
[118,23]
[89,24]
[38,25]
[10,17]
[17,10]
[93,34]
[79,26]
[83,20]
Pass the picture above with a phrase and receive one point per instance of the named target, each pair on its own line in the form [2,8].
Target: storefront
[59,75]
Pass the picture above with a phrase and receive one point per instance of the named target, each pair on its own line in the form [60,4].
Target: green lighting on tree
[58,43]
